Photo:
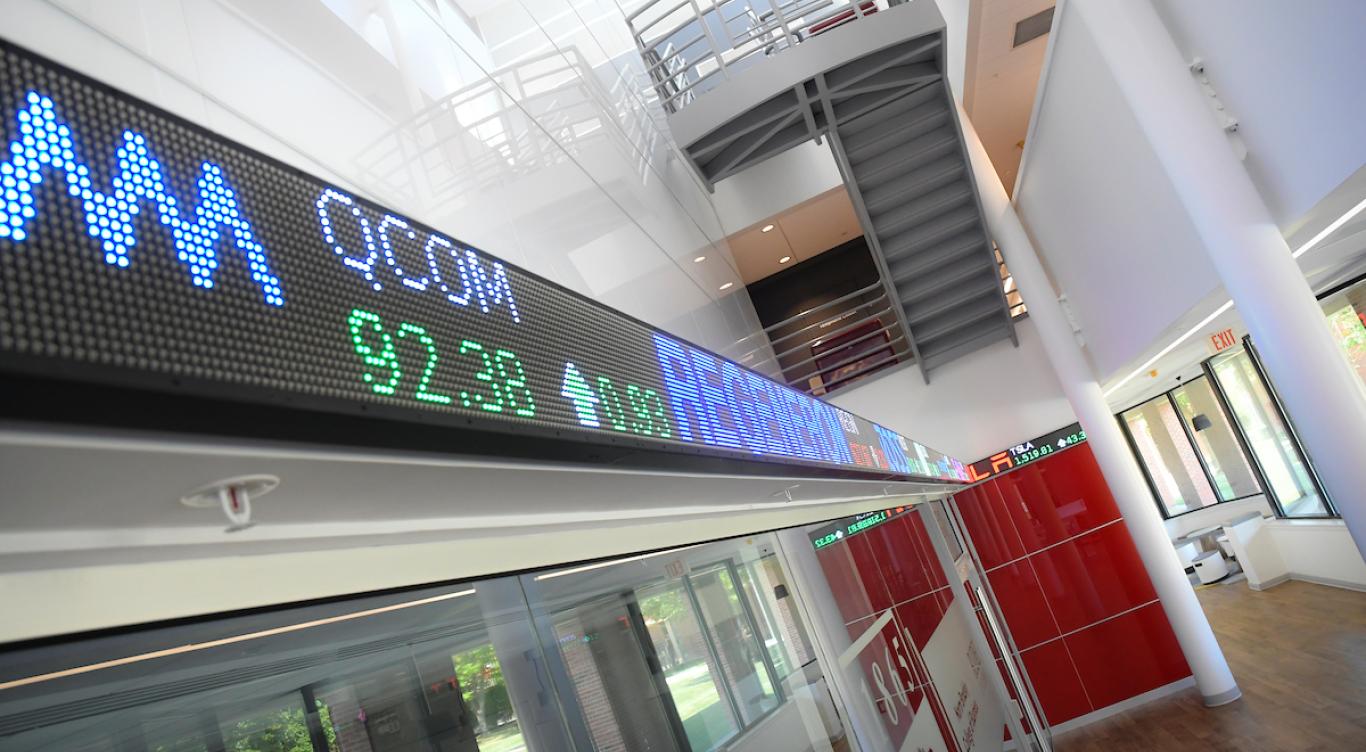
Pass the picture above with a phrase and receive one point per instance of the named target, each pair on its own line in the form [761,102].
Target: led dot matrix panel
[138,249]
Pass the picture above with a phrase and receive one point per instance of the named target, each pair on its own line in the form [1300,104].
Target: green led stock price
[376,346]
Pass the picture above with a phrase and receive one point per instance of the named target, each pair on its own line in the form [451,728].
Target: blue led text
[465,280]
[716,402]
[46,142]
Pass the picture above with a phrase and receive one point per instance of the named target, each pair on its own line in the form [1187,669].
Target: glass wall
[1188,449]
[1283,466]
[690,650]
[696,649]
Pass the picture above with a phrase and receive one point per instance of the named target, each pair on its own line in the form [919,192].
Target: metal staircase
[873,87]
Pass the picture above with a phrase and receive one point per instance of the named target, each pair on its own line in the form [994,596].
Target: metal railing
[792,349]
[691,45]
[518,120]
[833,344]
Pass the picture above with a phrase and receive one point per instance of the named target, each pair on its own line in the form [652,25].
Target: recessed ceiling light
[699,259]
[766,228]
[727,285]
[784,259]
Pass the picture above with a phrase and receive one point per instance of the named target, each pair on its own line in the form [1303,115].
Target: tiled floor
[1299,653]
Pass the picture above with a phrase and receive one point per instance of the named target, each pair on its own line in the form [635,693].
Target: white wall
[1103,214]
[1291,74]
[1319,551]
[994,398]
[775,185]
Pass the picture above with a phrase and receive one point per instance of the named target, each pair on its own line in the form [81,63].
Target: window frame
[1195,447]
[1331,512]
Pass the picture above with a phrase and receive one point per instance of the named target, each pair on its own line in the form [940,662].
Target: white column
[1247,248]
[1117,463]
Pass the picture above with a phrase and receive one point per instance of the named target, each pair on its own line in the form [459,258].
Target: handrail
[886,329]
[770,27]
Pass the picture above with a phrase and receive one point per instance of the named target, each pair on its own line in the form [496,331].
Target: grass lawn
[705,719]
[505,739]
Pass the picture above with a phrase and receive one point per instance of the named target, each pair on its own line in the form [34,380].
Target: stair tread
[941,351]
[896,108]
[892,133]
[917,264]
[919,312]
[929,234]
[918,211]
[971,312]
[955,270]
[912,183]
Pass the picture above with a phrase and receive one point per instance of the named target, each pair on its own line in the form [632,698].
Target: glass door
[743,661]
[686,658]
[1023,705]
[1290,480]
[619,677]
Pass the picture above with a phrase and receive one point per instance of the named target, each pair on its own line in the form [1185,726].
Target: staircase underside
[893,127]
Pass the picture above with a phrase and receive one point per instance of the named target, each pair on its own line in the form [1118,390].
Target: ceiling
[806,230]
[1001,79]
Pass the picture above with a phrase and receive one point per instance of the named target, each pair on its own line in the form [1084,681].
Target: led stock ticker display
[139,249]
[1030,451]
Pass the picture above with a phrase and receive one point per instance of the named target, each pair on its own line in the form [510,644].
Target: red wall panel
[893,567]
[1070,585]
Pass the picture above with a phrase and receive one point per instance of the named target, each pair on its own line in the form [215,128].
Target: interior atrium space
[682,376]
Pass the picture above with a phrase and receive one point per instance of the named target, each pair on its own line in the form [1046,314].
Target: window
[694,682]
[1168,456]
[1189,449]
[742,658]
[769,594]
[1214,438]
[1292,486]
[1344,309]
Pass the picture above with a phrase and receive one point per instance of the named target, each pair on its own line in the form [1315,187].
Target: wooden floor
[1298,652]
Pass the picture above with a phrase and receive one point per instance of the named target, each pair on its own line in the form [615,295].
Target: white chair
[1186,551]
[1210,567]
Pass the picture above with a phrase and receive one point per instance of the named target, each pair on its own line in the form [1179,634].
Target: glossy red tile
[1056,682]
[903,568]
[1022,603]
[988,524]
[1093,577]
[1076,476]
[920,617]
[1127,656]
[924,547]
[869,570]
[1055,499]
[846,583]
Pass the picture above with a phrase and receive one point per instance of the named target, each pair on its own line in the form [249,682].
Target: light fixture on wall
[784,259]
[233,496]
[766,228]
[727,286]
[699,259]
[1201,422]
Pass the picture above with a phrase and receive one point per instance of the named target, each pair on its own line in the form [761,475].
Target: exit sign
[1220,341]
